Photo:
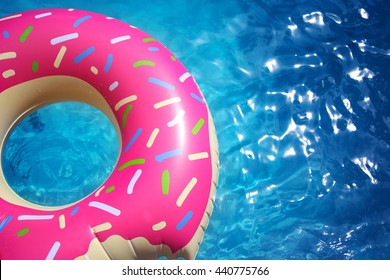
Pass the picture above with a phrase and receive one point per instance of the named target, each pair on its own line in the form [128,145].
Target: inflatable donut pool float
[159,197]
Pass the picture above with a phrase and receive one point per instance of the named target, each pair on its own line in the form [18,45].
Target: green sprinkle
[128,109]
[110,189]
[165,178]
[25,34]
[131,162]
[198,126]
[35,66]
[22,232]
[143,63]
[173,57]
[146,40]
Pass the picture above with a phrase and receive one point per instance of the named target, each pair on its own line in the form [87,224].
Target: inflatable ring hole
[19,101]
[60,153]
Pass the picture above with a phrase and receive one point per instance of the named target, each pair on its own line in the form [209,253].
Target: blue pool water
[299,91]
[60,153]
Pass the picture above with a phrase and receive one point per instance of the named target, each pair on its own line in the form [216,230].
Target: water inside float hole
[60,153]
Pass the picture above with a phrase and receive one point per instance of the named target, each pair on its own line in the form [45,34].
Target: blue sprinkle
[81,20]
[131,142]
[164,156]
[84,54]
[6,34]
[197,97]
[185,220]
[74,211]
[153,49]
[109,62]
[5,222]
[161,83]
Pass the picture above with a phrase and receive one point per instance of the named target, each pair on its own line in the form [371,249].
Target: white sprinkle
[113,86]
[35,217]
[105,207]
[64,38]
[53,251]
[133,180]
[43,15]
[120,39]
[184,77]
[177,119]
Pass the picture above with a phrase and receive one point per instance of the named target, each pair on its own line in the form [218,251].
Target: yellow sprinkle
[159,226]
[8,73]
[61,219]
[198,156]
[7,55]
[94,70]
[125,101]
[97,193]
[11,17]
[152,137]
[102,227]
[59,57]
[167,102]
[186,192]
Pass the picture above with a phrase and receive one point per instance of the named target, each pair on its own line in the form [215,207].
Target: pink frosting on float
[125,62]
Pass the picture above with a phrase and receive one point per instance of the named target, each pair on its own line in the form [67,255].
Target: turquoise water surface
[299,91]
[60,153]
